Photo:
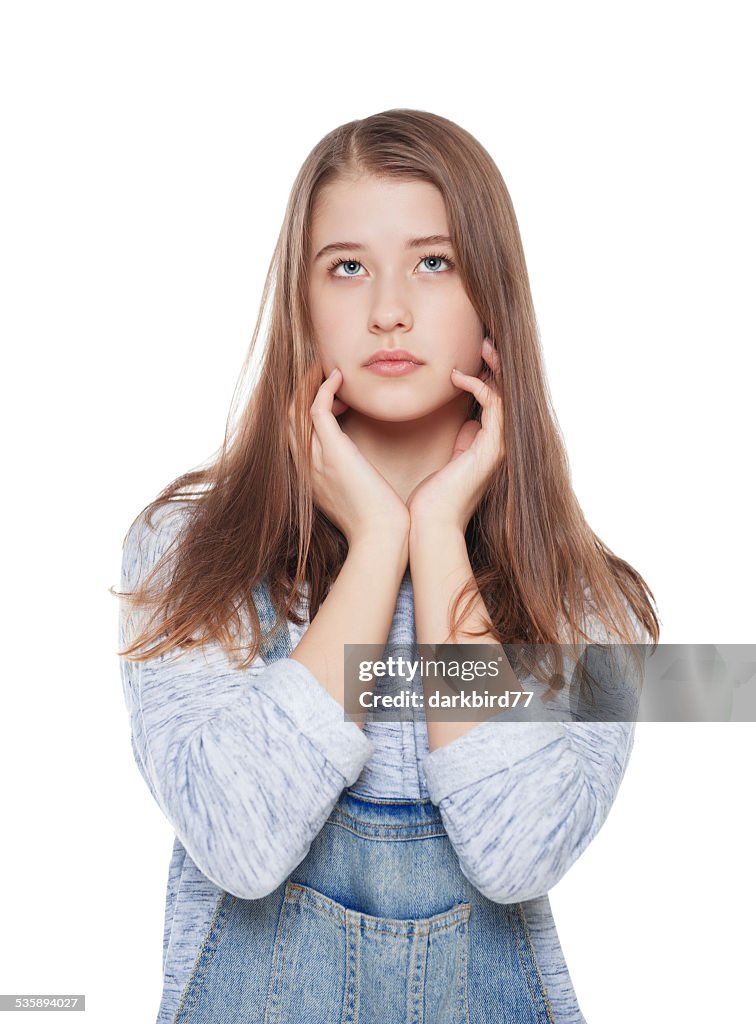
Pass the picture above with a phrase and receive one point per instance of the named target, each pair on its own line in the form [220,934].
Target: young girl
[397,475]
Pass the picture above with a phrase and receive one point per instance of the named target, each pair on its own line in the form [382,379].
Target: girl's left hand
[451,494]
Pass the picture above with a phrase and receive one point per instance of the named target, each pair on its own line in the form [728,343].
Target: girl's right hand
[354,495]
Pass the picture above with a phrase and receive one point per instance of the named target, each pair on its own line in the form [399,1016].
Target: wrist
[430,528]
[383,546]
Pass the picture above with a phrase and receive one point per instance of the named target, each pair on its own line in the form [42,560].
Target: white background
[148,153]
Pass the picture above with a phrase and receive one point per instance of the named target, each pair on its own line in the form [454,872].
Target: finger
[491,356]
[492,410]
[316,379]
[339,406]
[323,401]
[465,437]
[322,407]
[480,390]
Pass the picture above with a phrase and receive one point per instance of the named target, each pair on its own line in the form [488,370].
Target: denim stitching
[288,909]
[208,948]
[532,961]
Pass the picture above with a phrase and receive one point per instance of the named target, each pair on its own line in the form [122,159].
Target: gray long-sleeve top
[248,764]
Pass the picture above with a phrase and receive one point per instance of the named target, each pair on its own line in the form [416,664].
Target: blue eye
[345,264]
[351,266]
[443,259]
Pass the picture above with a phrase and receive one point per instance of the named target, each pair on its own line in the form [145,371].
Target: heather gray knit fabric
[247,766]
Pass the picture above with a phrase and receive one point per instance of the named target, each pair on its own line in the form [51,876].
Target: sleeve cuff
[486,749]
[318,715]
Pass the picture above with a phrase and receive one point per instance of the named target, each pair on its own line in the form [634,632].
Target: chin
[398,412]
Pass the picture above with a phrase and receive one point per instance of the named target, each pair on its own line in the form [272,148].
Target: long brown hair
[537,563]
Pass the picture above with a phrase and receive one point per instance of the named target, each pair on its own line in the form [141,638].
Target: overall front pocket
[332,964]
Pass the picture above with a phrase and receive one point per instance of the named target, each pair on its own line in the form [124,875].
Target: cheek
[463,334]
[451,304]
[332,334]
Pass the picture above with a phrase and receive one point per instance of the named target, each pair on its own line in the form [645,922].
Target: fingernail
[333,372]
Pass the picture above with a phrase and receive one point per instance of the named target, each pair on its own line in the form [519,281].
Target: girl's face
[378,280]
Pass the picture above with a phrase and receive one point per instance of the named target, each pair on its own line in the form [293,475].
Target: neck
[408,451]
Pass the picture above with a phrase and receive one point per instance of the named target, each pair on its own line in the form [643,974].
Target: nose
[390,309]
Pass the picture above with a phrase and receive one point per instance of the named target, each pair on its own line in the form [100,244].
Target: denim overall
[377,925]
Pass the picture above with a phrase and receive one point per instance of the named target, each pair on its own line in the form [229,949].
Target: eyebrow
[412,243]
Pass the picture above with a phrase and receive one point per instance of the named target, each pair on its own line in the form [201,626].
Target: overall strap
[278,644]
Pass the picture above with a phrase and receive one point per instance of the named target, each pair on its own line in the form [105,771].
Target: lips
[393,355]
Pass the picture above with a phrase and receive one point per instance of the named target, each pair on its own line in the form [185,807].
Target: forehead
[376,210]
